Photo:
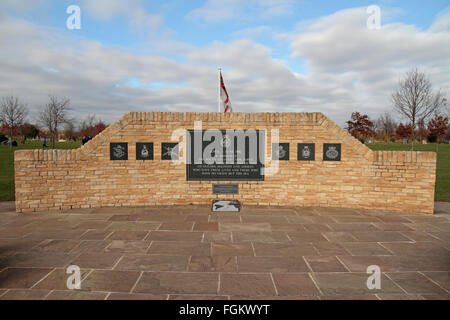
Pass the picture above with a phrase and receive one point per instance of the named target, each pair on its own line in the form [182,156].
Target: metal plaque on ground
[226,206]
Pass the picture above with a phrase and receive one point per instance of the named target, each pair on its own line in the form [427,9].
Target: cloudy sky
[276,55]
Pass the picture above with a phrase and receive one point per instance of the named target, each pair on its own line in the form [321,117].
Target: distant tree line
[53,122]
[423,111]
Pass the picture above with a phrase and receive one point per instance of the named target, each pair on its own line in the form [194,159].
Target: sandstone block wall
[86,177]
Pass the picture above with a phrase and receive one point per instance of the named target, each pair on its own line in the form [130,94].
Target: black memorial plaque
[331,152]
[144,151]
[225,188]
[169,151]
[240,155]
[280,151]
[118,151]
[306,151]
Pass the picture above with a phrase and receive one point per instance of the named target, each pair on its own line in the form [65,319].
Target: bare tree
[12,113]
[385,125]
[69,130]
[91,126]
[87,127]
[54,114]
[446,108]
[415,99]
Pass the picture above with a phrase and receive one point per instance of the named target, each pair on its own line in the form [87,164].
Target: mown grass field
[442,173]
[7,164]
[442,191]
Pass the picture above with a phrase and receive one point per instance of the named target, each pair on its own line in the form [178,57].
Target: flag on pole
[224,99]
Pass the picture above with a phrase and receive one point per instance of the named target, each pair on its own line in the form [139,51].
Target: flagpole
[218,93]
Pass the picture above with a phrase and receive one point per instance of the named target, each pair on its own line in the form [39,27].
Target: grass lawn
[442,179]
[442,191]
[7,164]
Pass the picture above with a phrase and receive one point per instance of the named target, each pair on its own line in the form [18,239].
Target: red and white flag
[224,99]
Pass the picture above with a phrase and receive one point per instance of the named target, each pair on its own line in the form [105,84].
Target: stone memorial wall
[283,159]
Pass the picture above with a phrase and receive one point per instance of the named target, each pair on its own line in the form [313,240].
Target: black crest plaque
[118,151]
[331,152]
[169,151]
[306,151]
[280,151]
[144,151]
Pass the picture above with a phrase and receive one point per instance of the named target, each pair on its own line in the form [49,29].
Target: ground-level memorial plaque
[226,206]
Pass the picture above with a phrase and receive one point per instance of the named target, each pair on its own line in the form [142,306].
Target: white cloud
[223,10]
[133,10]
[349,68]
[356,47]
[217,11]
[341,47]
[22,5]
[442,22]
[253,32]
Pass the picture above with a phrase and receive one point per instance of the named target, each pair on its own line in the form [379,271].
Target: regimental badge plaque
[306,151]
[118,151]
[170,151]
[144,151]
[280,151]
[331,152]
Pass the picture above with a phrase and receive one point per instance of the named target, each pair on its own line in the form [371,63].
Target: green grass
[442,190]
[7,164]
[442,173]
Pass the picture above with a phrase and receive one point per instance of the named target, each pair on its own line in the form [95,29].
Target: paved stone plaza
[191,253]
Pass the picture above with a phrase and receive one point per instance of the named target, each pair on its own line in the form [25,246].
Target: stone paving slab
[189,252]
[271,264]
[178,283]
[153,262]
[246,284]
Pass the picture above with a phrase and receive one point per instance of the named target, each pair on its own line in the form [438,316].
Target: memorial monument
[279,159]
